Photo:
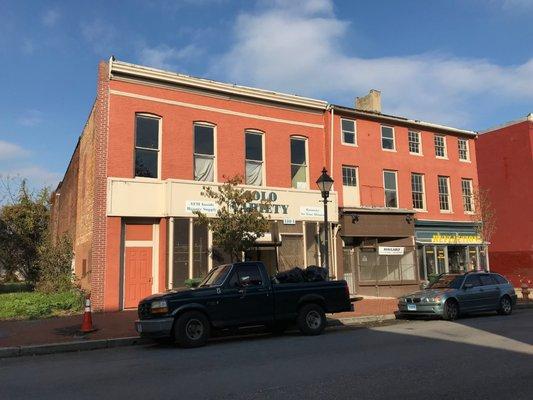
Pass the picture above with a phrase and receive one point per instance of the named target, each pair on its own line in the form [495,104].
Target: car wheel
[451,310]
[506,307]
[311,319]
[191,329]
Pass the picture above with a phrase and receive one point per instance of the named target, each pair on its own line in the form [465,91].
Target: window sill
[419,210]
[390,150]
[465,161]
[416,154]
[146,179]
[441,158]
[470,212]
[446,212]
[349,144]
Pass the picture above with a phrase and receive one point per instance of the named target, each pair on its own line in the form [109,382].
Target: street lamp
[325,183]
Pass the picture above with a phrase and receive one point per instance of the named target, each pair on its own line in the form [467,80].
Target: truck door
[247,298]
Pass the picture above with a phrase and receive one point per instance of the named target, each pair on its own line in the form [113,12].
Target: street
[483,357]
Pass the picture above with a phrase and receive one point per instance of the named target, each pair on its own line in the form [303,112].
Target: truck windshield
[447,281]
[216,276]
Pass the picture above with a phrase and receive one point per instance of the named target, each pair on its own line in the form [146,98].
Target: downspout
[331,142]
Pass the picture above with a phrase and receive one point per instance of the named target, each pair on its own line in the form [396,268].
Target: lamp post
[325,183]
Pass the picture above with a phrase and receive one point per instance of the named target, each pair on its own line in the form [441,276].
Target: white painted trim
[424,199]
[355,132]
[170,266]
[180,79]
[159,144]
[397,188]
[138,243]
[467,159]
[445,157]
[306,143]
[155,259]
[305,243]
[191,248]
[215,152]
[215,109]
[420,147]
[393,137]
[263,155]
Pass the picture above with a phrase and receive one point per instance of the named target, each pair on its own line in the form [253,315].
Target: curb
[360,320]
[52,348]
[521,306]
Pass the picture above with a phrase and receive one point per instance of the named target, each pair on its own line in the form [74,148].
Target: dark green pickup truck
[238,295]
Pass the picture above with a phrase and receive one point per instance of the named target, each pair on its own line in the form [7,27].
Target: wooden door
[138,275]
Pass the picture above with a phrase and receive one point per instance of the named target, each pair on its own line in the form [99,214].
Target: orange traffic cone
[87,324]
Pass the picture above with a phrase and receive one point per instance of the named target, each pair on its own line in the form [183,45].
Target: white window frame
[467,148]
[445,157]
[305,139]
[471,184]
[385,189]
[424,201]
[354,144]
[419,135]
[263,171]
[450,206]
[215,167]
[356,174]
[159,146]
[393,138]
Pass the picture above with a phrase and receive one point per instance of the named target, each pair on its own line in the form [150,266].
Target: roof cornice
[402,120]
[141,72]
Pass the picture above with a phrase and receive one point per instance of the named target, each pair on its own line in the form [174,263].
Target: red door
[138,276]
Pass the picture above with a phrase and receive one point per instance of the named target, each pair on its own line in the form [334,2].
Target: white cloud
[166,57]
[296,47]
[10,151]
[37,176]
[31,118]
[50,17]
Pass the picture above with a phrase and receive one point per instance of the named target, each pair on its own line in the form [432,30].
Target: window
[349,176]
[487,280]
[146,146]
[444,193]
[348,132]
[464,154]
[417,188]
[468,203]
[391,192]
[500,279]
[387,138]
[254,158]
[473,280]
[204,153]
[248,275]
[440,146]
[299,163]
[414,142]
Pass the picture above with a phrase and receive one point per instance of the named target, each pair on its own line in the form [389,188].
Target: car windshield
[216,276]
[447,281]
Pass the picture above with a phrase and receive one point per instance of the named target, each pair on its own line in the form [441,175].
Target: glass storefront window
[311,245]
[180,267]
[472,258]
[456,259]
[200,251]
[441,260]
[291,252]
[431,268]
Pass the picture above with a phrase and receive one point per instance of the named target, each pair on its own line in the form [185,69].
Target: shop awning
[437,232]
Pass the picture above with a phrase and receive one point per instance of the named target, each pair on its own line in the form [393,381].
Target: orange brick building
[505,166]
[155,138]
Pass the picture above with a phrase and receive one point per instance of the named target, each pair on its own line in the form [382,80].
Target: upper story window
[349,135]
[349,175]
[414,142]
[254,158]
[440,146]
[147,132]
[464,153]
[204,152]
[444,193]
[468,195]
[417,188]
[390,183]
[387,138]
[299,163]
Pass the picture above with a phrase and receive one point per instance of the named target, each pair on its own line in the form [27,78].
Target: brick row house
[400,210]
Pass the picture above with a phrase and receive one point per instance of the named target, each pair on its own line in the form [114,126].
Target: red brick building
[155,138]
[505,167]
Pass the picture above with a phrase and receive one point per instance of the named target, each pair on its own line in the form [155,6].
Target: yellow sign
[456,239]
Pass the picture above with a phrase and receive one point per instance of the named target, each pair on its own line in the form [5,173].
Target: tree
[237,224]
[484,214]
[23,226]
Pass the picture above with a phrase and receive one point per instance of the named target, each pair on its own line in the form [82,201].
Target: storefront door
[138,275]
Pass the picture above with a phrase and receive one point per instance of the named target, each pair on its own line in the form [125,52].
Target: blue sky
[464,63]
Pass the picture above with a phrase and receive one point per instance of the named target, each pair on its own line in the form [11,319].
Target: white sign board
[391,251]
[208,207]
[309,211]
[289,221]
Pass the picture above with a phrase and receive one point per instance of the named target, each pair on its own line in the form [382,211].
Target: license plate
[411,307]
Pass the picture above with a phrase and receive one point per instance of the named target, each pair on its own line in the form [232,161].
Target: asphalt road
[486,357]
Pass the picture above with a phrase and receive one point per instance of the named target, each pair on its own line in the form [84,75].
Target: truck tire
[311,319]
[191,329]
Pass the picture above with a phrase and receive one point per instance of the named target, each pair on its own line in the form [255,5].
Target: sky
[464,63]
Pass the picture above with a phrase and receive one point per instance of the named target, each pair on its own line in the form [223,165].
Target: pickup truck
[239,295]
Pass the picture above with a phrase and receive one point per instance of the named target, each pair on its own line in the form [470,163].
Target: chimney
[371,102]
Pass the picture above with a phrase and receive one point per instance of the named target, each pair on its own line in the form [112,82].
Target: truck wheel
[311,319]
[191,329]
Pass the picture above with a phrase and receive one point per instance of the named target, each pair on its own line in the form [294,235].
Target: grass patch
[32,305]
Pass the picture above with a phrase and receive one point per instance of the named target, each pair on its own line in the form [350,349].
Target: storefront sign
[391,251]
[289,221]
[456,239]
[208,207]
[308,211]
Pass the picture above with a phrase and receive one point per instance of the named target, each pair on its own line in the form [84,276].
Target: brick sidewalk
[120,324]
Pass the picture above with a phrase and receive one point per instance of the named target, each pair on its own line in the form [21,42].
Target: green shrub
[39,305]
[55,266]
[15,287]
[192,283]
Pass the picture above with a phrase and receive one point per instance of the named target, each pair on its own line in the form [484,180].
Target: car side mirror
[468,286]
